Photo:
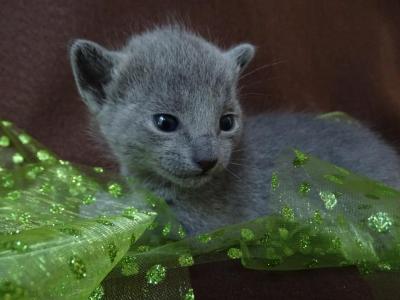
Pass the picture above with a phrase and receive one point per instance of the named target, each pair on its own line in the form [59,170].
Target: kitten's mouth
[188,181]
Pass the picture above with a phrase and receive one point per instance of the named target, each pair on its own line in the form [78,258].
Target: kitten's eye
[227,122]
[165,122]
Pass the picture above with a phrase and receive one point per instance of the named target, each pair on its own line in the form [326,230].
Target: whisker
[262,67]
[233,174]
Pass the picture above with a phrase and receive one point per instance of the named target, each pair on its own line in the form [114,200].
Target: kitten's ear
[92,66]
[242,54]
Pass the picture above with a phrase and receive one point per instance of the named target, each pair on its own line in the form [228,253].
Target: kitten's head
[166,103]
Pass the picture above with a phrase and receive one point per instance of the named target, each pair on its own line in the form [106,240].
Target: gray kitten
[167,106]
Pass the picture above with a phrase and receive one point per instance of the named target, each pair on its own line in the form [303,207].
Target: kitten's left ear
[242,54]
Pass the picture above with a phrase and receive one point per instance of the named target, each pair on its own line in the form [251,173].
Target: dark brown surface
[335,55]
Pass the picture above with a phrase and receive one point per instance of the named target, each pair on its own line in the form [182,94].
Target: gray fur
[170,70]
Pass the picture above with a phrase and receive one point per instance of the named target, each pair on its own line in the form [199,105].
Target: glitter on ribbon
[24,218]
[167,229]
[112,251]
[185,260]
[4,141]
[97,294]
[104,221]
[181,232]
[17,158]
[300,159]
[17,246]
[77,267]
[6,124]
[46,188]
[287,213]
[131,213]
[43,155]
[115,190]
[156,274]
[247,234]
[304,189]
[336,243]
[6,181]
[24,138]
[88,199]
[274,181]
[34,172]
[304,243]
[317,218]
[129,266]
[57,208]
[13,196]
[234,253]
[204,238]
[329,199]
[380,222]
[189,295]
[98,170]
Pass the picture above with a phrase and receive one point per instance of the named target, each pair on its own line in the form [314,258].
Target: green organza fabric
[65,228]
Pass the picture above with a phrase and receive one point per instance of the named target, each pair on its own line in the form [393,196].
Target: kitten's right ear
[92,67]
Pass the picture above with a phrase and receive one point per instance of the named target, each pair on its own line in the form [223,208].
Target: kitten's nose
[206,165]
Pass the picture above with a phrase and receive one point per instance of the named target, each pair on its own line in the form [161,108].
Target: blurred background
[313,55]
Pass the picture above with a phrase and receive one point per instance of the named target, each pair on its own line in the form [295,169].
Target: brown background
[333,55]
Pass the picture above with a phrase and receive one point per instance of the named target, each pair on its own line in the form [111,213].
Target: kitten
[167,106]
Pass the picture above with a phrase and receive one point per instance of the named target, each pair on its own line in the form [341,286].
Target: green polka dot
[17,158]
[6,181]
[43,155]
[88,199]
[57,208]
[13,196]
[115,190]
[380,222]
[17,246]
[304,189]
[97,294]
[129,266]
[77,267]
[24,138]
[287,213]
[6,123]
[329,199]
[166,230]
[98,170]
[234,253]
[189,295]
[4,141]
[181,232]
[112,251]
[156,274]
[185,260]
[274,181]
[300,159]
[247,234]
[204,238]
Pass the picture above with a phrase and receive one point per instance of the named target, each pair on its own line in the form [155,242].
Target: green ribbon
[65,228]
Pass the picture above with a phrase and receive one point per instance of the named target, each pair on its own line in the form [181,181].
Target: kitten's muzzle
[205,152]
[206,165]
